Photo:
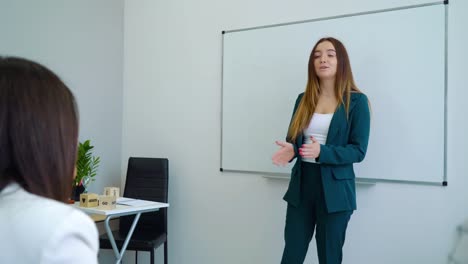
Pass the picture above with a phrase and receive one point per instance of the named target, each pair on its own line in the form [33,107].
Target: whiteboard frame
[285,176]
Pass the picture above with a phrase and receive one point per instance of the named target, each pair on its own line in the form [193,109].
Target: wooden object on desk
[107,202]
[112,191]
[89,200]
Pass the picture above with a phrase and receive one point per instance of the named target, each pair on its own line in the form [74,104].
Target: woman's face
[325,61]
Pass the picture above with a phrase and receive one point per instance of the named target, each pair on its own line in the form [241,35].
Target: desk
[125,206]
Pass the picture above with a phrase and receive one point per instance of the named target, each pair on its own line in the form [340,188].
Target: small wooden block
[107,202]
[112,191]
[89,200]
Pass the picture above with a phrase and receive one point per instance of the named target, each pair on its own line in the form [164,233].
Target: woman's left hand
[310,150]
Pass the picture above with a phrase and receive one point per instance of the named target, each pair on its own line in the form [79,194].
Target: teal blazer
[346,144]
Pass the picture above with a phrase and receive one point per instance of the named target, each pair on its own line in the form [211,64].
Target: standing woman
[329,131]
[38,148]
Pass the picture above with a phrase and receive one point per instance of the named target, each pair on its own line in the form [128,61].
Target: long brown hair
[38,129]
[344,85]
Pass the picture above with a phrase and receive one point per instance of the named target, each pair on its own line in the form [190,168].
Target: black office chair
[147,179]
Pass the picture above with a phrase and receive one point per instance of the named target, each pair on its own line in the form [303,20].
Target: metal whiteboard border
[222,101]
[285,176]
[446,92]
[335,17]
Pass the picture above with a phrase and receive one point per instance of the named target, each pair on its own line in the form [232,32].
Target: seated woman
[38,148]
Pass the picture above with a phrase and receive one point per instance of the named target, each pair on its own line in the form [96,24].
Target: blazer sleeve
[296,150]
[74,241]
[355,150]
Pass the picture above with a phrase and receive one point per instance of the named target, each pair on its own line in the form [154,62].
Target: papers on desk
[133,202]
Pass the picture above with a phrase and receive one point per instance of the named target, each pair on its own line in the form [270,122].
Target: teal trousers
[310,215]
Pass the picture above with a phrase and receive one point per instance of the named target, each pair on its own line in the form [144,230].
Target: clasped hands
[286,151]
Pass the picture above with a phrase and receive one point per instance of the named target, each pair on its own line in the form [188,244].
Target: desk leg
[118,255]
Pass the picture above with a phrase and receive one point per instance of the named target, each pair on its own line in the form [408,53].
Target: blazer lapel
[336,123]
[299,140]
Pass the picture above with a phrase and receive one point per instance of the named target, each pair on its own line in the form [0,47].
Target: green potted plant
[86,168]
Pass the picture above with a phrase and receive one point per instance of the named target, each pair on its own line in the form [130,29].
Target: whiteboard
[398,61]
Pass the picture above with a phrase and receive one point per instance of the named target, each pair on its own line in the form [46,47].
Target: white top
[40,230]
[318,128]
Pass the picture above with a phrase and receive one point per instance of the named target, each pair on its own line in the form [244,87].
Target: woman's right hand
[284,154]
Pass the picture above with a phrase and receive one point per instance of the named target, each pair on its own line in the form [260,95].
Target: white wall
[82,41]
[172,104]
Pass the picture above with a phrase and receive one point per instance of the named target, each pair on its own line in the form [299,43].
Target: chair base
[136,244]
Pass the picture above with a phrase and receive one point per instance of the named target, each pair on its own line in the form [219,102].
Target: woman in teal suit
[329,131]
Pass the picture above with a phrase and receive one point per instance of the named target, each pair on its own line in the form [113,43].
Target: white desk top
[125,206]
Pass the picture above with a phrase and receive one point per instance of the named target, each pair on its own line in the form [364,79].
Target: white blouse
[318,128]
[41,230]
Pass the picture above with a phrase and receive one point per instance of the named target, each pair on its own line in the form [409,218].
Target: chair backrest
[147,179]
